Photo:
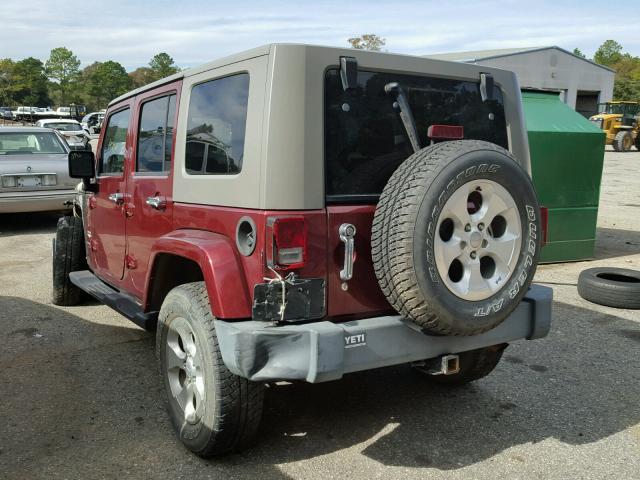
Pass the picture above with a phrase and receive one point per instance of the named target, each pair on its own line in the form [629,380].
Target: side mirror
[82,164]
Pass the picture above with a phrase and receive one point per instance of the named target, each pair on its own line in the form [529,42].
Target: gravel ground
[80,397]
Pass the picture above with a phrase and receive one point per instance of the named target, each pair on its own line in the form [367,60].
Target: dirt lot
[80,397]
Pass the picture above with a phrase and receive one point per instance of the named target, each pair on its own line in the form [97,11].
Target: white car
[74,134]
[92,122]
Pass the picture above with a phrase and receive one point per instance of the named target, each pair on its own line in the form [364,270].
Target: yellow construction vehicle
[621,122]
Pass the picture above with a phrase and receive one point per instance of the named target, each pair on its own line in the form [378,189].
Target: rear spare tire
[456,237]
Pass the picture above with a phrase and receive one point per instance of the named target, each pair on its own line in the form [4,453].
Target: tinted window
[114,143]
[155,135]
[365,140]
[216,126]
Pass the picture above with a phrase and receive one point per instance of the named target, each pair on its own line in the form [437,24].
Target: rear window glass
[63,126]
[365,139]
[29,143]
[216,126]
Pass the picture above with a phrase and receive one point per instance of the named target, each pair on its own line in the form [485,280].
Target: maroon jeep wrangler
[298,213]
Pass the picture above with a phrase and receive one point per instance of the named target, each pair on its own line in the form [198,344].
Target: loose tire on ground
[217,412]
[612,287]
[407,226]
[474,365]
[623,141]
[68,256]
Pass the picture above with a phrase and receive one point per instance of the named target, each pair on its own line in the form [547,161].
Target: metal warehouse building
[582,83]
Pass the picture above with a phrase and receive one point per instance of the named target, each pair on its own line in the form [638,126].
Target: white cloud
[195,31]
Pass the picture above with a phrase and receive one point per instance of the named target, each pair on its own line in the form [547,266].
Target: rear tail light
[544,220]
[288,238]
[445,132]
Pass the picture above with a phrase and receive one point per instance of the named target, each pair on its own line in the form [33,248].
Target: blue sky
[196,31]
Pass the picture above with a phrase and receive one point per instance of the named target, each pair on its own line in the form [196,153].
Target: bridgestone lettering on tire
[212,410]
[68,256]
[413,221]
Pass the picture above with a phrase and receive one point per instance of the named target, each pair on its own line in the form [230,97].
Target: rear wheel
[212,410]
[474,365]
[456,237]
[68,256]
[623,141]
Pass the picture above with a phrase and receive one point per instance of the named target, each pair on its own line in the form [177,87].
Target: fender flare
[216,256]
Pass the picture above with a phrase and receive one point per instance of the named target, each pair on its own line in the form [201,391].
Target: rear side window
[365,140]
[216,126]
[155,135]
[114,143]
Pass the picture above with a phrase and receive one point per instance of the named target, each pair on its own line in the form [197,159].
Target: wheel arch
[185,256]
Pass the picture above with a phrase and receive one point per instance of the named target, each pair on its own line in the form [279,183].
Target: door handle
[159,203]
[117,198]
[347,233]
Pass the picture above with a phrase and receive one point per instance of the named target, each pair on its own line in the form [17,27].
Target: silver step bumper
[322,351]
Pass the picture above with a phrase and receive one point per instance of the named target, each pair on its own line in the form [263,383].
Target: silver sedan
[34,170]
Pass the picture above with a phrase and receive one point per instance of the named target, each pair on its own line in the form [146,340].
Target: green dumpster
[567,152]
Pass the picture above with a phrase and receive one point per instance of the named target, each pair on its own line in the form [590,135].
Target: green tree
[368,41]
[62,68]
[106,81]
[162,65]
[29,83]
[608,53]
[6,73]
[142,76]
[578,53]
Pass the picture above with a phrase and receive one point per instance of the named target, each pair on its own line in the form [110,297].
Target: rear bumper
[318,352]
[46,201]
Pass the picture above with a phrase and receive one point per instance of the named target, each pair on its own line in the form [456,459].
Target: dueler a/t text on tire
[68,256]
[456,237]
[212,410]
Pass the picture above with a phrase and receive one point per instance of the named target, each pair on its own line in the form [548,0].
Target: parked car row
[31,113]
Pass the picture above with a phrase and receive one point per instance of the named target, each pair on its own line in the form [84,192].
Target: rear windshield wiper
[394,90]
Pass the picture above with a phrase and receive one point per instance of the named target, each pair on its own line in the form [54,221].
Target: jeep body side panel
[217,257]
[206,235]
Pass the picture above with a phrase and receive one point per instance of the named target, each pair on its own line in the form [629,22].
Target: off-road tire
[638,140]
[404,227]
[622,141]
[233,405]
[474,365]
[68,256]
[612,287]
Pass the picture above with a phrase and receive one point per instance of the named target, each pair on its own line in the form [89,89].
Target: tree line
[60,81]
